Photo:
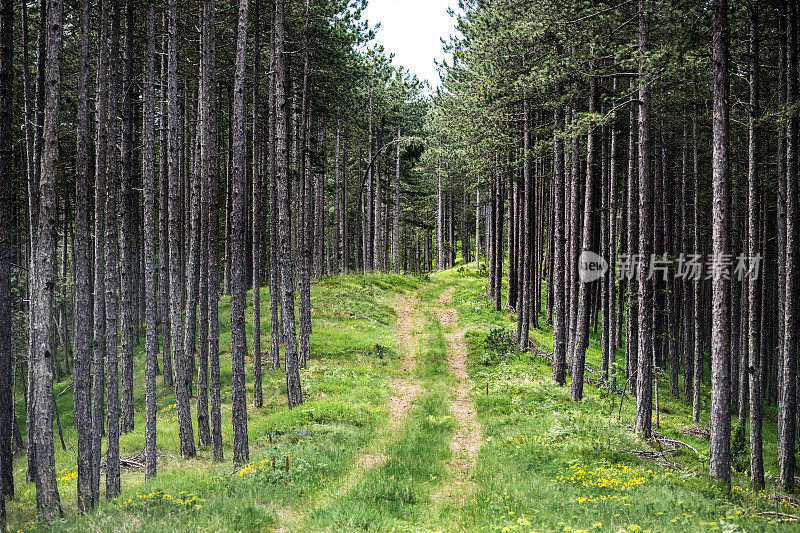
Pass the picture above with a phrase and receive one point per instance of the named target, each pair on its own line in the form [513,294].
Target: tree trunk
[112,252]
[525,247]
[99,314]
[788,380]
[559,270]
[293,390]
[126,230]
[180,359]
[396,209]
[163,225]
[150,276]
[210,162]
[581,342]
[632,310]
[48,503]
[644,373]
[238,233]
[720,417]
[83,296]
[754,249]
[257,203]
[274,270]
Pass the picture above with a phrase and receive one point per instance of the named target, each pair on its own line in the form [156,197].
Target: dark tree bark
[294,392]
[687,326]
[395,208]
[99,313]
[525,248]
[150,251]
[210,162]
[192,278]
[582,325]
[257,202]
[720,417]
[317,222]
[632,309]
[127,254]
[274,270]
[163,225]
[48,503]
[82,411]
[179,358]
[644,373]
[787,400]
[697,296]
[559,270]
[112,253]
[611,308]
[440,220]
[238,233]
[754,248]
[7,247]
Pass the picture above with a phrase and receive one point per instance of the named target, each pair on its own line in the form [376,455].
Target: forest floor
[414,422]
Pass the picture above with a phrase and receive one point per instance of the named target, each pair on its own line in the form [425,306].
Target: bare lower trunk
[83,296]
[753,283]
[48,503]
[179,358]
[238,232]
[644,373]
[294,392]
[150,275]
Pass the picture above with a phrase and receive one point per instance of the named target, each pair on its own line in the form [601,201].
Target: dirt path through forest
[467,437]
[404,390]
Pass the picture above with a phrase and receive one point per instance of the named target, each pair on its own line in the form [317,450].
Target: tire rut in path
[467,437]
[404,390]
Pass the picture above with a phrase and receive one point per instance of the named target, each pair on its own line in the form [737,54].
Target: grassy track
[409,425]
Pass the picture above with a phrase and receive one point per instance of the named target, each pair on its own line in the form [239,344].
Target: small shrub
[498,346]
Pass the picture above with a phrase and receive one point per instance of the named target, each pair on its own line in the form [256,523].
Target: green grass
[346,388]
[549,464]
[546,464]
[396,495]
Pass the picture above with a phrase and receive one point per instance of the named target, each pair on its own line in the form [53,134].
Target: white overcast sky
[412,30]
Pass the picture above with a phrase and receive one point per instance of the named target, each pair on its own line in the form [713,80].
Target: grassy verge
[346,387]
[548,464]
